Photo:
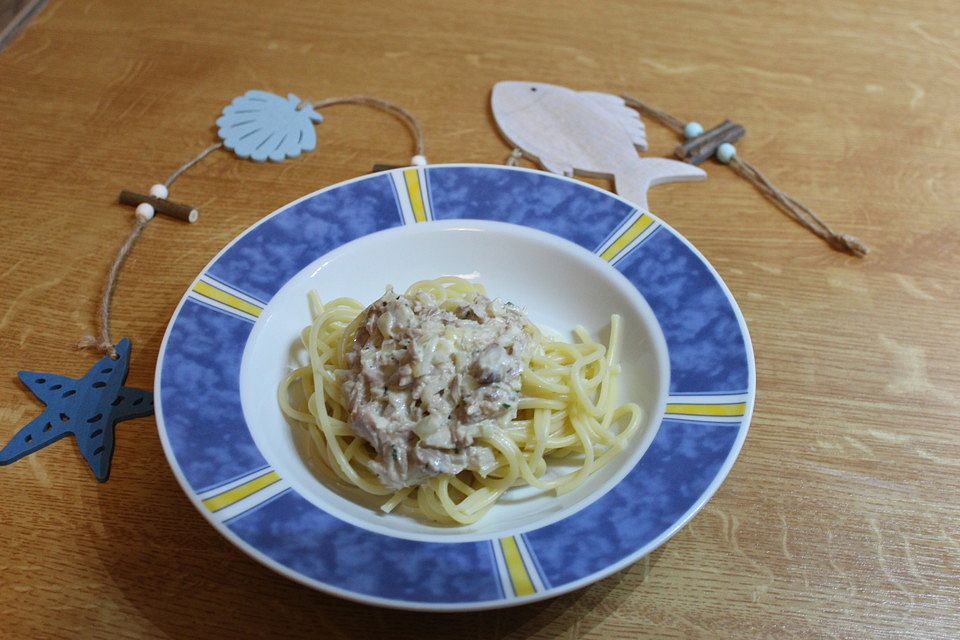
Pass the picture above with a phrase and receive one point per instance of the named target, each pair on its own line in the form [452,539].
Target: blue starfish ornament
[88,408]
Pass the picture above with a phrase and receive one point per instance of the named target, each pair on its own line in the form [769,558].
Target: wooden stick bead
[161,205]
[705,145]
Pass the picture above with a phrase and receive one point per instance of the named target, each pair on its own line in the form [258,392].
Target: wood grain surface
[840,519]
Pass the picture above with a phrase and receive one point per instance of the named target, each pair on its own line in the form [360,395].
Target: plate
[568,252]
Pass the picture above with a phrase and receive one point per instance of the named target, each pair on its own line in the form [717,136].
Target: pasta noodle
[566,426]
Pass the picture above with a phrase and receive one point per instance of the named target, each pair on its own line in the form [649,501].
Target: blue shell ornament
[261,125]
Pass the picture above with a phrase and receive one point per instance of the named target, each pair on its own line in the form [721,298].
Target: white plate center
[559,284]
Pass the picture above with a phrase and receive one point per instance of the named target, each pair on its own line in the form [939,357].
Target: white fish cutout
[585,133]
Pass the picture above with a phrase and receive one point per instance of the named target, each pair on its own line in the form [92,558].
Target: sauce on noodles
[424,382]
[442,399]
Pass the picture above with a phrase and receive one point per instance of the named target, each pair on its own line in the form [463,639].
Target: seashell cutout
[264,126]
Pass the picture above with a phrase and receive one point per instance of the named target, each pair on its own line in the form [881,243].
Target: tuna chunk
[424,382]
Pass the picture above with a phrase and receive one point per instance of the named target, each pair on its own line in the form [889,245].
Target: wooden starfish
[88,408]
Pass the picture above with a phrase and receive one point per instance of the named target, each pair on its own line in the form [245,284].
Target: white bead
[725,152]
[418,161]
[692,129]
[144,212]
[159,191]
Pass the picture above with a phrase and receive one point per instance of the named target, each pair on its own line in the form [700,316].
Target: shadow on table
[188,581]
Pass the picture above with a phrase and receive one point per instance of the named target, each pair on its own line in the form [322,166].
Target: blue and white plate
[570,254]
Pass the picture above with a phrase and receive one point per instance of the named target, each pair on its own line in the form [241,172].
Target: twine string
[664,118]
[797,210]
[186,166]
[101,342]
[786,203]
[408,118]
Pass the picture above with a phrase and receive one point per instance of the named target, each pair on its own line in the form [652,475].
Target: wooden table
[840,518]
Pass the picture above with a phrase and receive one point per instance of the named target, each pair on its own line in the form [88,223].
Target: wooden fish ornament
[583,133]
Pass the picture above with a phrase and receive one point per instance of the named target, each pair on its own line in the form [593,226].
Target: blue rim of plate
[215,460]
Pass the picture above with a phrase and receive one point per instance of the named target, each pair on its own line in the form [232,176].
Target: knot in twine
[854,245]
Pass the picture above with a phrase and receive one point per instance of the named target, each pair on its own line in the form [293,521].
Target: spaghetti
[440,400]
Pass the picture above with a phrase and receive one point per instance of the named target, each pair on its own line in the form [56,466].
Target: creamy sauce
[425,382]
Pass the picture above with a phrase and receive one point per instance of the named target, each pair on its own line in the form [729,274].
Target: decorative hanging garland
[263,126]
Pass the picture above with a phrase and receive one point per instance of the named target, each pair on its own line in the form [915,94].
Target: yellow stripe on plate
[240,492]
[210,291]
[639,226]
[721,410]
[412,179]
[519,577]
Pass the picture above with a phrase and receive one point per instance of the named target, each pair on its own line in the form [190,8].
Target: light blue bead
[725,152]
[692,130]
